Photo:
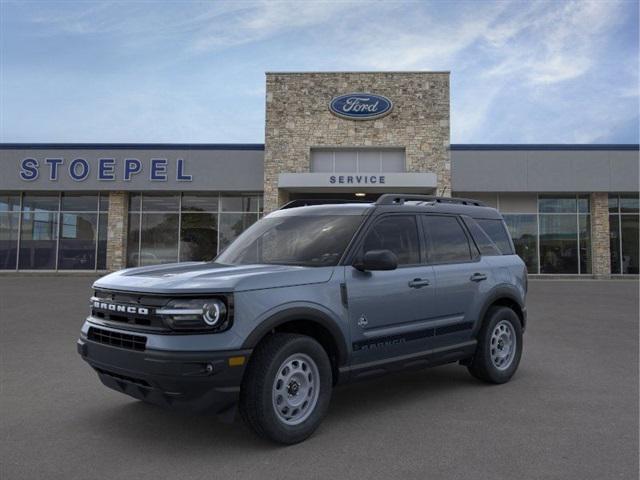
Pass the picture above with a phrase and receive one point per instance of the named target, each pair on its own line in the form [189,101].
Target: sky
[193,72]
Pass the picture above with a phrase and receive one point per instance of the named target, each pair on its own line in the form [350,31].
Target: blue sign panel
[360,106]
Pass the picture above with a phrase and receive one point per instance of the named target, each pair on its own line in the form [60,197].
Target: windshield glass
[311,240]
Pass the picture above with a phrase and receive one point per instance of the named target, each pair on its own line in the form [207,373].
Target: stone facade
[117,230]
[298,119]
[600,248]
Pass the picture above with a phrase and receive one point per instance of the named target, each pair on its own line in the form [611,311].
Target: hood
[196,277]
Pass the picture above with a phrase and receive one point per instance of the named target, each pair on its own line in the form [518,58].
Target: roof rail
[318,201]
[400,199]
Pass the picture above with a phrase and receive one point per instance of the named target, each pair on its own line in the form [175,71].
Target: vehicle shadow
[159,427]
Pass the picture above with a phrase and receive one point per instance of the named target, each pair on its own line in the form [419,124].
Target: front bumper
[193,381]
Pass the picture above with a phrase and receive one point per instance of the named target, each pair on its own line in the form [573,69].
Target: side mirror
[377,260]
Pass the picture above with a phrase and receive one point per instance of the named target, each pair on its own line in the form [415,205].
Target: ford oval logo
[360,106]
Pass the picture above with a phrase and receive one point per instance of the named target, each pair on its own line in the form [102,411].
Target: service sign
[360,106]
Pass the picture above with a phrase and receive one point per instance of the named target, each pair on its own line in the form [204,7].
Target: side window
[446,240]
[398,233]
[498,233]
[484,243]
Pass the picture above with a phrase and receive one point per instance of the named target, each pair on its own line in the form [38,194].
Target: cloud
[521,71]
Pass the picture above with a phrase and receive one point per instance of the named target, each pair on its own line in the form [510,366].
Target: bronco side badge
[362,321]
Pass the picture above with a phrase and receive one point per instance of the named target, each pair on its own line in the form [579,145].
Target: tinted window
[484,243]
[498,233]
[397,233]
[308,240]
[446,240]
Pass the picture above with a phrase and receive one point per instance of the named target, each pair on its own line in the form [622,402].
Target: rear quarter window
[497,232]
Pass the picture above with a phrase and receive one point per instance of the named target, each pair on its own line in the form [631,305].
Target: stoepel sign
[106,169]
[360,106]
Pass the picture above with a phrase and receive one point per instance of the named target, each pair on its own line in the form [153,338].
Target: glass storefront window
[9,222]
[624,240]
[232,225]
[630,242]
[245,203]
[154,202]
[193,226]
[200,202]
[38,240]
[623,233]
[558,244]
[103,225]
[133,240]
[629,204]
[557,204]
[159,238]
[524,232]
[9,202]
[51,231]
[79,202]
[41,201]
[584,235]
[198,237]
[78,235]
[614,242]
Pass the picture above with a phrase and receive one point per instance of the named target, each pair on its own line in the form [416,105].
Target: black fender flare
[502,292]
[309,314]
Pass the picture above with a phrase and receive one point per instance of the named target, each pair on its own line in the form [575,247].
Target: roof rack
[399,199]
[318,201]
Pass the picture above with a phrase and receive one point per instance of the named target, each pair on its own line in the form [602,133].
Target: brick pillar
[117,230]
[600,251]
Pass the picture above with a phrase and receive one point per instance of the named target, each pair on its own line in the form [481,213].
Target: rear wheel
[499,346]
[287,387]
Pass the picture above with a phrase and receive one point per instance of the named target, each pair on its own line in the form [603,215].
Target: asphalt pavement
[571,411]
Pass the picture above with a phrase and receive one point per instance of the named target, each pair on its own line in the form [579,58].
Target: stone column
[117,230]
[600,251]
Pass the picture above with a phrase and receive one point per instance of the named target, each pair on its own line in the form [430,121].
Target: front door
[389,310]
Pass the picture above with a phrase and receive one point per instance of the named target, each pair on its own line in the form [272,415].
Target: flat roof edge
[544,146]
[441,72]
[132,146]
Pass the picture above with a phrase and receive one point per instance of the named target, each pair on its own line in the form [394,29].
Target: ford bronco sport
[310,297]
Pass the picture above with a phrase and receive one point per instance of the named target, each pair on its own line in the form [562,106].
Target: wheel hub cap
[296,389]
[503,345]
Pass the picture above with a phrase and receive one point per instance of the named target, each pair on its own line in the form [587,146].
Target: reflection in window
[446,241]
[198,237]
[78,234]
[9,222]
[159,238]
[524,232]
[498,233]
[397,233]
[232,225]
[558,244]
[38,239]
[624,240]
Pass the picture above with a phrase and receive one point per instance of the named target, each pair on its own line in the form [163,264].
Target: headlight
[197,314]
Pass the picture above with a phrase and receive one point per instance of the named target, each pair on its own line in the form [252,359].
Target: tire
[287,372]
[491,362]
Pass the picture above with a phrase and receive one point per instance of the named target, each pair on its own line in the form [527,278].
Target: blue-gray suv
[310,297]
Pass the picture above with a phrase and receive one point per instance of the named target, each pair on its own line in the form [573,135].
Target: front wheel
[499,346]
[287,387]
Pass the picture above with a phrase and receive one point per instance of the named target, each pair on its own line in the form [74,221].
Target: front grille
[117,339]
[148,321]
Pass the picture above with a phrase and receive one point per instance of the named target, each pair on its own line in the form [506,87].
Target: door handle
[478,277]
[419,283]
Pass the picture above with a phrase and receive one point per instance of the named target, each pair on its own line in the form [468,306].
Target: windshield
[311,240]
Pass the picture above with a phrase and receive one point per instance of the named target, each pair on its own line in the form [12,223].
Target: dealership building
[571,209]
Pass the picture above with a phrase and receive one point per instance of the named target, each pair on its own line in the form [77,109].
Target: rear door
[460,273]
[389,310]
